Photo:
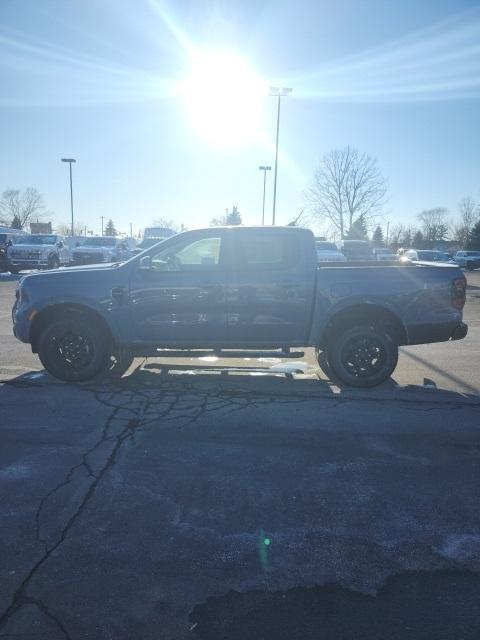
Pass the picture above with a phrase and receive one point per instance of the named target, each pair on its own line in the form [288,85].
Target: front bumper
[28,264]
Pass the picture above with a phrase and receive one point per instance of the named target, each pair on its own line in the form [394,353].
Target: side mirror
[60,244]
[145,263]
[9,243]
[77,244]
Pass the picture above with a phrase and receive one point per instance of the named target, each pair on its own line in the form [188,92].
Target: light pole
[264,169]
[102,217]
[279,93]
[70,160]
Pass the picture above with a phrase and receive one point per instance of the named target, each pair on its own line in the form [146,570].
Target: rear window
[272,251]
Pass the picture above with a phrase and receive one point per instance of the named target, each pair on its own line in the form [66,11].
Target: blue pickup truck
[225,289]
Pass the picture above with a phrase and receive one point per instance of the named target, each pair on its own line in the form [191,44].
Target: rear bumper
[426,333]
[459,332]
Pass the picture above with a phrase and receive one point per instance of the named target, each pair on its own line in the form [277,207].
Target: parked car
[101,249]
[8,237]
[468,259]
[328,252]
[146,243]
[357,250]
[237,288]
[384,254]
[426,255]
[38,251]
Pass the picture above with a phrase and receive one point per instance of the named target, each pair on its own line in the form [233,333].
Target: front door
[181,299]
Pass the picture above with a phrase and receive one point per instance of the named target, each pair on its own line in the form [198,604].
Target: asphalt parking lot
[186,502]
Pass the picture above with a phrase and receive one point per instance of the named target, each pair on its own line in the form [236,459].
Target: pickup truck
[101,249]
[38,251]
[230,288]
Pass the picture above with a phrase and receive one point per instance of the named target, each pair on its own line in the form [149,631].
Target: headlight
[21,295]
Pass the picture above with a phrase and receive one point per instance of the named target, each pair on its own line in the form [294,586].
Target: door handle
[117,294]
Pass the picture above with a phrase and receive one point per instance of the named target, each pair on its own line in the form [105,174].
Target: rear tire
[362,356]
[73,349]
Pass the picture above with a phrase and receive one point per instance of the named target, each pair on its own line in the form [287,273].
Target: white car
[426,255]
[384,254]
[328,252]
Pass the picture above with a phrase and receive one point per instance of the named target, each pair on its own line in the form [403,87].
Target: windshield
[99,242]
[326,246]
[37,240]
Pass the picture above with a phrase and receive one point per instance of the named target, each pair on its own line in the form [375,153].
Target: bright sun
[223,96]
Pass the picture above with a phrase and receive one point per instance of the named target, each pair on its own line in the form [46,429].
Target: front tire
[73,349]
[362,356]
[54,263]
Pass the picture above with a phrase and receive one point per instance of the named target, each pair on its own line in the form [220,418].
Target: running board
[218,353]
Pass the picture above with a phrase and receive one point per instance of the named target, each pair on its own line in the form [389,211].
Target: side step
[219,353]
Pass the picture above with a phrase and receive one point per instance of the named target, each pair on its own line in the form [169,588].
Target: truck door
[180,300]
[270,288]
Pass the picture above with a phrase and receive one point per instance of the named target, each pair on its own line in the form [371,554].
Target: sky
[126,88]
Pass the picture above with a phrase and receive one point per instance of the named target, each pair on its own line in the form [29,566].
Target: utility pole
[70,162]
[279,93]
[102,217]
[264,169]
[131,230]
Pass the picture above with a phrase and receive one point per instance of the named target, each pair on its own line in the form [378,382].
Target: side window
[266,251]
[198,255]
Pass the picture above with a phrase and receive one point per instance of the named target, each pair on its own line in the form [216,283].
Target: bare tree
[469,214]
[22,206]
[434,224]
[167,223]
[396,234]
[347,185]
[65,229]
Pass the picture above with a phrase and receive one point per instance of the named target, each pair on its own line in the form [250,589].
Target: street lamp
[264,169]
[279,93]
[70,160]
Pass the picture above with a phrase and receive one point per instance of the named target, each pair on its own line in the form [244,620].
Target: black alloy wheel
[363,356]
[73,349]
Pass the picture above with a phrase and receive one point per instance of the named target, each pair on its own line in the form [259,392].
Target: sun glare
[223,97]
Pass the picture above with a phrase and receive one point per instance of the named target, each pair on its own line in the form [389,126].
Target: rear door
[181,299]
[270,288]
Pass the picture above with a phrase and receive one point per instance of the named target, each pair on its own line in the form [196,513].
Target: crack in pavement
[136,406]
[144,407]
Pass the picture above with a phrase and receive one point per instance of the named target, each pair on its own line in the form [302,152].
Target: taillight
[459,287]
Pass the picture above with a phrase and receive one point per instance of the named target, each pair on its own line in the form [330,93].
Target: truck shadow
[188,380]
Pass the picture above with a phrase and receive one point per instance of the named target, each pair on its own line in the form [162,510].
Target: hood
[72,271]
